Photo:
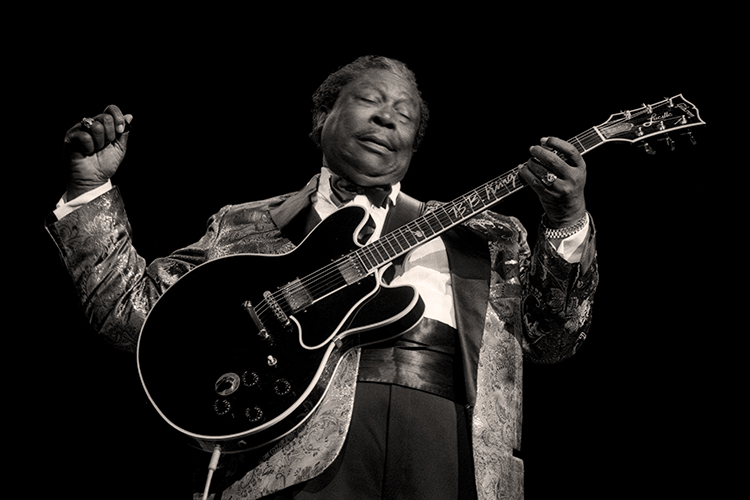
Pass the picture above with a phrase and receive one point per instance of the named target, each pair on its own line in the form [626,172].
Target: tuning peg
[647,148]
[690,136]
[669,141]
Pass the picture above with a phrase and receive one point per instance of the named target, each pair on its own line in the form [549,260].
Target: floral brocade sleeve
[557,301]
[115,286]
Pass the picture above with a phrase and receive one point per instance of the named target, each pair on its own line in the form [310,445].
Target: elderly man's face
[368,136]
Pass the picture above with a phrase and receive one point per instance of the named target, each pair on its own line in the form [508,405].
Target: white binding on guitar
[241,350]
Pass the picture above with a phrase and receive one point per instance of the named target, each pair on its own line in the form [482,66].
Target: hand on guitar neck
[557,173]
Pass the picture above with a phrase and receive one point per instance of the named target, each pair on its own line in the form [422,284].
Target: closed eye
[405,115]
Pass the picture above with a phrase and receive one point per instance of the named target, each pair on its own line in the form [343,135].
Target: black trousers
[403,444]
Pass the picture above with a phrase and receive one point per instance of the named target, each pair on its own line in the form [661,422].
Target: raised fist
[94,149]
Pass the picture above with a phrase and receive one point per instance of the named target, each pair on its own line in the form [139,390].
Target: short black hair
[328,92]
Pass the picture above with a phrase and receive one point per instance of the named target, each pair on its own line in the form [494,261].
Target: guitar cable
[212,466]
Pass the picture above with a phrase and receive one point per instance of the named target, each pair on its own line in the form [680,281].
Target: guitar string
[585,139]
[329,278]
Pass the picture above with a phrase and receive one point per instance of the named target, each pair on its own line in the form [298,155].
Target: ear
[321,116]
[318,121]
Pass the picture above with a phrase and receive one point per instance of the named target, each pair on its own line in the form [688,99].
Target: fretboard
[432,224]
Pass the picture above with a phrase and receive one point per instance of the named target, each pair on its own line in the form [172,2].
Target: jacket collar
[283,214]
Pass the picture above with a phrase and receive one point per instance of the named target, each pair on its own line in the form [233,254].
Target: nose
[384,117]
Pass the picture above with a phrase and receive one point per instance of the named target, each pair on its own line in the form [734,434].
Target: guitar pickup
[296,295]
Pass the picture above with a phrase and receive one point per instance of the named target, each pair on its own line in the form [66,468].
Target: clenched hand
[94,152]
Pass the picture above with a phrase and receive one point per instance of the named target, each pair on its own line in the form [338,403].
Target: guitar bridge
[277,310]
[248,306]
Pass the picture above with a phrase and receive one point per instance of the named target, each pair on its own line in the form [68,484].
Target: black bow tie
[344,191]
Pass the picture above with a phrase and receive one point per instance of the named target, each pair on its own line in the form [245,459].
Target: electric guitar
[240,351]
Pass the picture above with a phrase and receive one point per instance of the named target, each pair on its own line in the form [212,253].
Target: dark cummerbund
[422,358]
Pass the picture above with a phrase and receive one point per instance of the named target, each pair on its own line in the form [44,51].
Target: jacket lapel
[295,216]
[469,259]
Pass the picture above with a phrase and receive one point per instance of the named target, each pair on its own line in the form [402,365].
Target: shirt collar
[325,193]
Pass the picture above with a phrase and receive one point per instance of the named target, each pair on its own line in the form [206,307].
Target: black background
[221,107]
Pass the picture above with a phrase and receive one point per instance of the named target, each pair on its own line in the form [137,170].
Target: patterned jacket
[511,305]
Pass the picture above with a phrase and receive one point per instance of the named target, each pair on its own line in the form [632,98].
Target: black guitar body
[239,351]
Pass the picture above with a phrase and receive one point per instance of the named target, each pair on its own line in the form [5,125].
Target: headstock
[674,113]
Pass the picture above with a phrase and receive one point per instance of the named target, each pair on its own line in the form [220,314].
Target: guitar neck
[432,224]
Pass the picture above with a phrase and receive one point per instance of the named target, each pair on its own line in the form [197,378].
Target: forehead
[387,82]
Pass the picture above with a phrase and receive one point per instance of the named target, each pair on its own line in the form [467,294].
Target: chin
[365,172]
[378,177]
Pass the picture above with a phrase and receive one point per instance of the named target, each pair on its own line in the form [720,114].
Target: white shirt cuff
[571,248]
[65,206]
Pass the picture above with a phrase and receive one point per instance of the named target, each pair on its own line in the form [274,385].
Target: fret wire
[405,232]
[377,247]
[577,140]
[373,260]
[403,240]
[417,231]
[456,210]
[387,241]
[393,237]
[486,188]
[445,216]
[370,249]
[388,245]
[476,197]
[424,227]
[409,235]
[443,210]
[367,252]
[433,216]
